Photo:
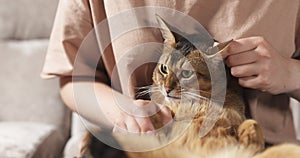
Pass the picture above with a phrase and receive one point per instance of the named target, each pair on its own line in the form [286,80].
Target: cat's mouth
[170,94]
[174,97]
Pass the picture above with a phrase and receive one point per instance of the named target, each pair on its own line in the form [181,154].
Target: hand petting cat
[138,124]
[258,65]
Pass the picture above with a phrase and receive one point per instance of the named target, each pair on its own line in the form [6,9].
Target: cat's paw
[250,134]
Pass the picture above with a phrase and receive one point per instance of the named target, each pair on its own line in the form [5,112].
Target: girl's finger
[243,58]
[132,125]
[120,127]
[245,70]
[145,124]
[166,114]
[250,82]
[241,45]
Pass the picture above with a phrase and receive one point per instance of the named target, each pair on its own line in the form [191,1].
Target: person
[263,56]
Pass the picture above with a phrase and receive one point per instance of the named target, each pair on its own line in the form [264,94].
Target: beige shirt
[276,20]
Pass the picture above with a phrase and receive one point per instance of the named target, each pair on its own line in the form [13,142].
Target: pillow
[21,139]
[26,19]
[24,95]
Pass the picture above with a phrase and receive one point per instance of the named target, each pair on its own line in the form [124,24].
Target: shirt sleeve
[73,49]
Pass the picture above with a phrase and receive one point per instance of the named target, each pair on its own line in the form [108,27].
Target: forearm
[92,100]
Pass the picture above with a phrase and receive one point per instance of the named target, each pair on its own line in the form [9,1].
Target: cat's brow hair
[185,46]
[182,48]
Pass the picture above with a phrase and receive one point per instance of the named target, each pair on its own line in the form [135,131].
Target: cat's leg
[85,146]
[279,151]
[250,134]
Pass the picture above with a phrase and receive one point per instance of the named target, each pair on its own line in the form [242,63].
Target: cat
[182,82]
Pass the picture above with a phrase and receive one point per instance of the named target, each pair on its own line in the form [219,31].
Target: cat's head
[182,71]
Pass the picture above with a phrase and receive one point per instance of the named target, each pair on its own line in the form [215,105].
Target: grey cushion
[24,95]
[26,19]
[22,139]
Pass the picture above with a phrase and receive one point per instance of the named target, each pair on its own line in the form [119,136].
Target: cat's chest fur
[188,121]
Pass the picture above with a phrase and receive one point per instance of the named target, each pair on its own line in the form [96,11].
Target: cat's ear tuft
[219,48]
[224,45]
[167,34]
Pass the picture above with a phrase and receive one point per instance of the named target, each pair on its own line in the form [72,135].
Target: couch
[33,120]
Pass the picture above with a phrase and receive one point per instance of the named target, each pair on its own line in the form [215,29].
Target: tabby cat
[182,82]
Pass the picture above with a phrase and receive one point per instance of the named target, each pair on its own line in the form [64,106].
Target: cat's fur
[232,136]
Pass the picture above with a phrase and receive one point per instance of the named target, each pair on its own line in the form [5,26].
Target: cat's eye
[164,69]
[187,73]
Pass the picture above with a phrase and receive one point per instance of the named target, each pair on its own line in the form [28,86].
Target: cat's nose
[168,89]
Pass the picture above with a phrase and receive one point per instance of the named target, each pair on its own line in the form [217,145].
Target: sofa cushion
[26,19]
[24,95]
[22,139]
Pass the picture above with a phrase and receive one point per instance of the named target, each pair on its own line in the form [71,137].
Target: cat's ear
[219,48]
[167,34]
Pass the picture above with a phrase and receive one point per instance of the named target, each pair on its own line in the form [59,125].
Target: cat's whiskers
[142,93]
[193,95]
[144,87]
[199,91]
[148,90]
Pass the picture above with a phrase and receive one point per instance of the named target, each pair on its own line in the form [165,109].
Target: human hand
[141,123]
[258,65]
